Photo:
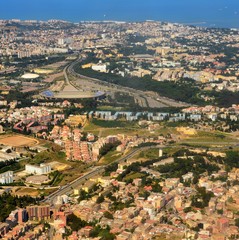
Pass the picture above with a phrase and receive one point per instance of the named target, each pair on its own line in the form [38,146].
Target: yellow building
[88,65]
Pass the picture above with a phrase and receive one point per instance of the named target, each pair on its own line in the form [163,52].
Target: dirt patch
[27,191]
[59,166]
[187,131]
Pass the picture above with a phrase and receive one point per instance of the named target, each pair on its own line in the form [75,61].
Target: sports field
[18,141]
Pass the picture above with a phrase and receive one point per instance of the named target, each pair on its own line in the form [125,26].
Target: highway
[68,189]
[66,76]
[153,99]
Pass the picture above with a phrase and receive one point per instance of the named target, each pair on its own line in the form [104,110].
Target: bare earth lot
[27,191]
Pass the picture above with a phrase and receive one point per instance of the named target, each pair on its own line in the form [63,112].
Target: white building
[6,177]
[42,169]
[99,68]
[62,41]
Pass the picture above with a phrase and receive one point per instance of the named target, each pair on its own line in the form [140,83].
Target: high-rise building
[38,212]
[22,215]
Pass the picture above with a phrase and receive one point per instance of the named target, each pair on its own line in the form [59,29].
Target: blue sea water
[216,13]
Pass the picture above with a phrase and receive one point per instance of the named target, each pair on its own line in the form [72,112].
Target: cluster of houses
[75,148]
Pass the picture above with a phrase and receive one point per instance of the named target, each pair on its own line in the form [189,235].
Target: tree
[83,195]
[237,222]
[106,235]
[100,199]
[75,223]
[108,215]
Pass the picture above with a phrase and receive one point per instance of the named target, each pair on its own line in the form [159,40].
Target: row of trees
[109,147]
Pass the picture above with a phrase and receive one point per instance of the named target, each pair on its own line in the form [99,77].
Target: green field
[149,154]
[134,176]
[105,128]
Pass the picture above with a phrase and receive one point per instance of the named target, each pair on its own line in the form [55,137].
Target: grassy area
[209,138]
[176,124]
[171,150]
[46,192]
[77,169]
[109,157]
[91,127]
[164,130]
[133,176]
[49,144]
[215,134]
[149,154]
[115,131]
[105,128]
[113,124]
[48,156]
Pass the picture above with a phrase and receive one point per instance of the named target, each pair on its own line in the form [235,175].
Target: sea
[208,13]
